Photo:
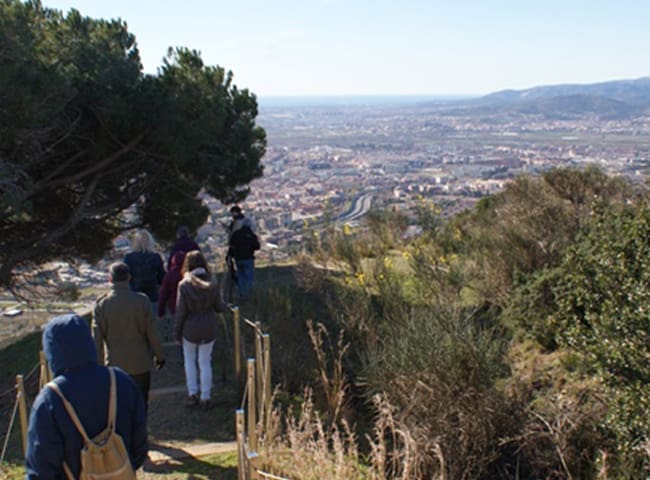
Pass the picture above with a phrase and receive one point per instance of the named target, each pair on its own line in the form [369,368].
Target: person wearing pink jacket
[168,293]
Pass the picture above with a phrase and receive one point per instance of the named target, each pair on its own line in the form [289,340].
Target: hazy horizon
[269,101]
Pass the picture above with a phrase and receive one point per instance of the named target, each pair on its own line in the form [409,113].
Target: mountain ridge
[615,99]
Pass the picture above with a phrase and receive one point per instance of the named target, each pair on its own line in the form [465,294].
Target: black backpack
[252,239]
[243,243]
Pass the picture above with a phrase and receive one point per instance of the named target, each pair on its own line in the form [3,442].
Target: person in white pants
[203,353]
[199,301]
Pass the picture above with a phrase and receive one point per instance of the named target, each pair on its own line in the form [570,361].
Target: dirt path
[173,425]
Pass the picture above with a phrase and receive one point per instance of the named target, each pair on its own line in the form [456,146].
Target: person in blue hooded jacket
[52,437]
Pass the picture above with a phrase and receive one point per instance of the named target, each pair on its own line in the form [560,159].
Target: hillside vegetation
[511,341]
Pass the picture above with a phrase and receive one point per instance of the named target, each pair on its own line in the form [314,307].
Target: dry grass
[302,447]
[307,446]
[330,373]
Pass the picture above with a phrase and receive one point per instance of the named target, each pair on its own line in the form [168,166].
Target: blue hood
[68,344]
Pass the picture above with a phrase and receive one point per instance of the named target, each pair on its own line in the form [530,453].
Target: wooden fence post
[240,430]
[252,407]
[259,361]
[266,339]
[237,342]
[22,408]
[253,463]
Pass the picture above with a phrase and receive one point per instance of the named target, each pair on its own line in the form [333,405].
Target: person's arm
[98,325]
[45,447]
[151,332]
[219,304]
[169,259]
[181,313]
[232,247]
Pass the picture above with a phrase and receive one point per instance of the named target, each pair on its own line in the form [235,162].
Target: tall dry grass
[299,445]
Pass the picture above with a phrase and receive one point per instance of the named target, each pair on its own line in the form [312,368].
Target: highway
[360,206]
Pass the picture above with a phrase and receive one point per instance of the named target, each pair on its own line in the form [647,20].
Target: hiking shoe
[207,404]
[192,401]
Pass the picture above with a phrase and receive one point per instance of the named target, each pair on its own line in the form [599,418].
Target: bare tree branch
[15,258]
[89,171]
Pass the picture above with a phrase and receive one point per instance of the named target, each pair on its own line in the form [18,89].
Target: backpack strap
[112,407]
[75,419]
[70,409]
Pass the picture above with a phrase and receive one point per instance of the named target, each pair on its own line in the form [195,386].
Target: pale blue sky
[357,47]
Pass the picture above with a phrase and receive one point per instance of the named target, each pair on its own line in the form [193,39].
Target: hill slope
[614,99]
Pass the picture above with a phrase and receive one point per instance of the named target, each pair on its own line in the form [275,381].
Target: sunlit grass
[211,467]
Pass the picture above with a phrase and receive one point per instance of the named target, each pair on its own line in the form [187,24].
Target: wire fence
[7,436]
[6,393]
[15,403]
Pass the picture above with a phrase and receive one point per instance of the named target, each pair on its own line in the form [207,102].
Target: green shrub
[603,297]
[531,307]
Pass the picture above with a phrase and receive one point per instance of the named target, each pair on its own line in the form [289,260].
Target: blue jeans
[245,276]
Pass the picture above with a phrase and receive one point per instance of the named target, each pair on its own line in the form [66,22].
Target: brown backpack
[103,457]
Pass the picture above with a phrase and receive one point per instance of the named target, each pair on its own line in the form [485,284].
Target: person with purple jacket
[169,292]
[184,244]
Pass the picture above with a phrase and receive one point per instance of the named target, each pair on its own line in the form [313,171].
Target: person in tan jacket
[123,320]
[199,300]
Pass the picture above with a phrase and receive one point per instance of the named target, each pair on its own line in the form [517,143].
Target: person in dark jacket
[184,244]
[199,300]
[242,246]
[146,266]
[52,437]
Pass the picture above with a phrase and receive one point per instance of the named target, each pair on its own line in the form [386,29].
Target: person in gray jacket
[199,300]
[124,331]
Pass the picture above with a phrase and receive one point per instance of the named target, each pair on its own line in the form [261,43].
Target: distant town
[343,160]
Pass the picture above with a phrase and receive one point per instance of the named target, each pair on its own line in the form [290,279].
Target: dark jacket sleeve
[45,451]
[169,259]
[160,269]
[129,261]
